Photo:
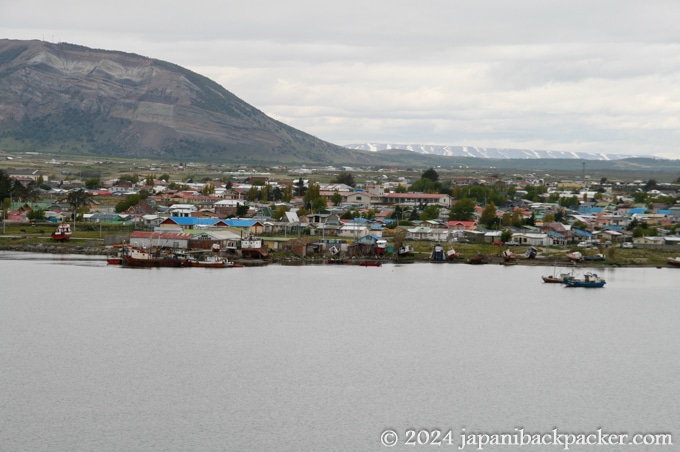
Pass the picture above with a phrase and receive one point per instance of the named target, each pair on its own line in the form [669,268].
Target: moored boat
[588,280]
[477,259]
[63,232]
[208,261]
[595,257]
[135,257]
[405,250]
[370,264]
[575,256]
[674,261]
[559,279]
[508,255]
[437,253]
[531,252]
[452,254]
[380,247]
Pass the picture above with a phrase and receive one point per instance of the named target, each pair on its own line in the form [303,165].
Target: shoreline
[492,259]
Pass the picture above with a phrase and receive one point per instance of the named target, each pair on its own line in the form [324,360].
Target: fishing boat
[437,254]
[138,257]
[405,250]
[63,232]
[595,257]
[575,256]
[558,278]
[674,261]
[531,252]
[208,261]
[508,256]
[477,259]
[114,260]
[380,247]
[588,280]
[452,254]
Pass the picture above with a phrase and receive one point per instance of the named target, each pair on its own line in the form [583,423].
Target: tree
[462,210]
[165,177]
[93,184]
[313,193]
[208,189]
[253,193]
[149,181]
[287,193]
[430,213]
[426,185]
[300,187]
[336,198]
[430,174]
[344,178]
[488,216]
[79,200]
[36,214]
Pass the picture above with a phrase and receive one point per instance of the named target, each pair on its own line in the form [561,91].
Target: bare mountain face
[69,99]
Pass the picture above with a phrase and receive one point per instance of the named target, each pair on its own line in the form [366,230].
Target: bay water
[329,357]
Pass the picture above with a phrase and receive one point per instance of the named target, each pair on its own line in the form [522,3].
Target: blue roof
[238,223]
[580,233]
[663,212]
[637,210]
[589,210]
[193,221]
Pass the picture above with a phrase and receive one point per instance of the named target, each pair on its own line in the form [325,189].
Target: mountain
[487,153]
[73,100]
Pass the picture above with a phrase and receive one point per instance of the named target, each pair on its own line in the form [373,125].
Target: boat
[208,261]
[674,261]
[380,247]
[575,256]
[508,255]
[477,259]
[114,260]
[370,264]
[405,250]
[559,279]
[452,254]
[531,252]
[437,254]
[63,232]
[588,280]
[136,257]
[595,257]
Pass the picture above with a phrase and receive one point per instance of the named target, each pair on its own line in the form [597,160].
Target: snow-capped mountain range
[488,153]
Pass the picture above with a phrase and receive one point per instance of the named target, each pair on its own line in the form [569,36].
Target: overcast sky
[595,76]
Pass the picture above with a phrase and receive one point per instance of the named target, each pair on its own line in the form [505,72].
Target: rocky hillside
[68,99]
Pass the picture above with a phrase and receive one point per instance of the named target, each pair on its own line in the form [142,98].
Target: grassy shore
[90,239]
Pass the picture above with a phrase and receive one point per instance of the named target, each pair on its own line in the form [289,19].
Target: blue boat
[588,280]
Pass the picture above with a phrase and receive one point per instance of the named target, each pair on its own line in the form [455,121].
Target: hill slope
[75,100]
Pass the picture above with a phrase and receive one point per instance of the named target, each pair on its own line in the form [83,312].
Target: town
[331,212]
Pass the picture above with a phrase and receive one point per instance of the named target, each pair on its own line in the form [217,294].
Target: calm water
[325,358]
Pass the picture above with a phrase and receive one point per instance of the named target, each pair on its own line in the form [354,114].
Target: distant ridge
[488,153]
[69,99]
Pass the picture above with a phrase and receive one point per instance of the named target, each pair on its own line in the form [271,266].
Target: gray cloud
[563,75]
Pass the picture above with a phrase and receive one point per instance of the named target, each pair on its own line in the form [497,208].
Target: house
[428,233]
[416,199]
[532,239]
[354,229]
